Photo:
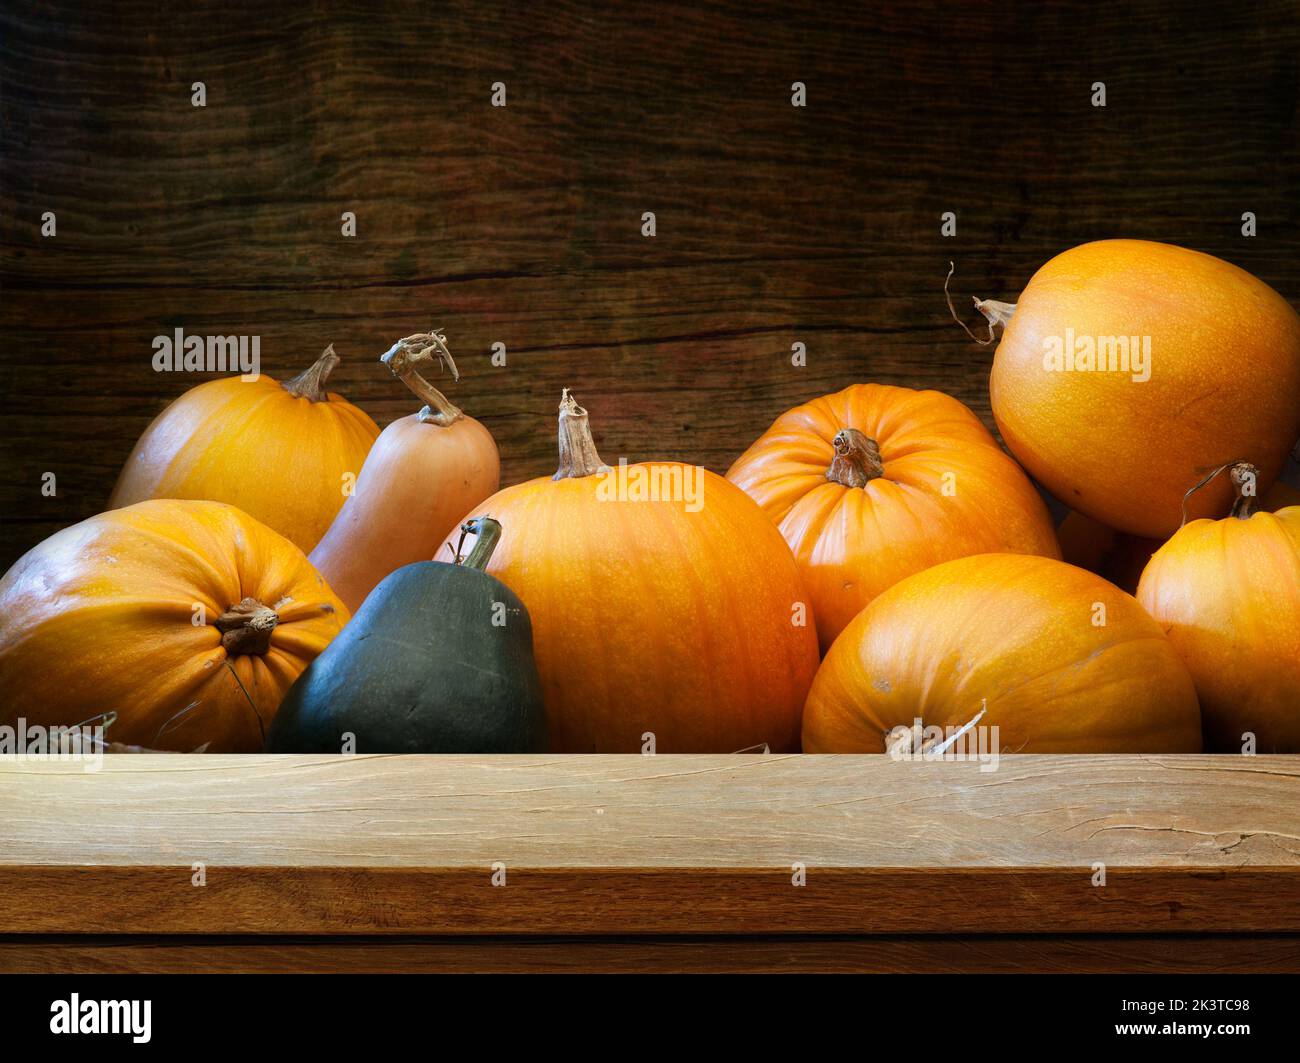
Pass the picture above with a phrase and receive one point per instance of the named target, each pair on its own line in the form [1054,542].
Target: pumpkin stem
[857,459]
[995,313]
[247,627]
[938,749]
[578,455]
[310,383]
[407,356]
[489,534]
[906,743]
[1244,478]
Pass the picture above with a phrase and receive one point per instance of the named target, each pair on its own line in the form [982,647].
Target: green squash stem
[489,534]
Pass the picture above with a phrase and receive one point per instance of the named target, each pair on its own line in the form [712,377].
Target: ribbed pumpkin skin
[1225,372]
[1228,594]
[278,457]
[98,618]
[852,543]
[1017,633]
[650,618]
[417,481]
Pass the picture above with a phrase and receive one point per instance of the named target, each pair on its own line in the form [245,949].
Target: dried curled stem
[423,350]
[995,313]
[1245,478]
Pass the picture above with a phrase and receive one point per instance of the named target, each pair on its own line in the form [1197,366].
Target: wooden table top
[650,845]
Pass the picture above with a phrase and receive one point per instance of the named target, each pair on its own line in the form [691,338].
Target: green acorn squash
[438,659]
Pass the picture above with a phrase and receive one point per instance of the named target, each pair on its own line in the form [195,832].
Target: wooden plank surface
[881,954]
[650,845]
[521,224]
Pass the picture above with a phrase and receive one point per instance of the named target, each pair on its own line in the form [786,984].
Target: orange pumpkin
[188,620]
[1119,438]
[874,483]
[663,604]
[1227,592]
[423,472]
[283,453]
[1056,658]
[1120,557]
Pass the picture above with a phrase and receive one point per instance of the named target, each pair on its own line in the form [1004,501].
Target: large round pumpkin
[874,483]
[1119,439]
[663,603]
[187,620]
[1228,594]
[1056,658]
[283,453]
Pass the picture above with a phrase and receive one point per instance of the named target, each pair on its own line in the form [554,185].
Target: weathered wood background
[521,224]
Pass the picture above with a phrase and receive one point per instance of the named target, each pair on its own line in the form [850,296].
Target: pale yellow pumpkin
[283,453]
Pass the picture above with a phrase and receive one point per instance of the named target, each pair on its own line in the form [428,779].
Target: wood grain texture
[984,954]
[522,224]
[661,845]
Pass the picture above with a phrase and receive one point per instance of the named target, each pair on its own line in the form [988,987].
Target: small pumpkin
[439,659]
[666,608]
[874,483]
[1227,592]
[1123,373]
[1056,658]
[424,471]
[283,453]
[187,620]
[1120,557]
